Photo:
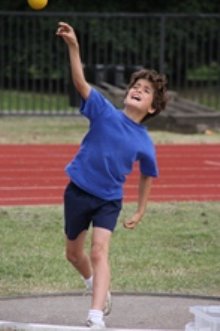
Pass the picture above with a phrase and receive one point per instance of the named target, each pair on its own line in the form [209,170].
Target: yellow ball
[37,4]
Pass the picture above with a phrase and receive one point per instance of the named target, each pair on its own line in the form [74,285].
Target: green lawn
[71,129]
[175,249]
[28,102]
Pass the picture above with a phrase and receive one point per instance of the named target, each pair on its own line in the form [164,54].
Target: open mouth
[135,97]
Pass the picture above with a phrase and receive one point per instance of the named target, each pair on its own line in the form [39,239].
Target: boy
[115,140]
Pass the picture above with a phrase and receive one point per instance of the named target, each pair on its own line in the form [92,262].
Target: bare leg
[76,255]
[100,265]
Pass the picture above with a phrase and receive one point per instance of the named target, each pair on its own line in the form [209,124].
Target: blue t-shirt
[110,148]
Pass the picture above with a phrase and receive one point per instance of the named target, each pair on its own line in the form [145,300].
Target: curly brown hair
[159,83]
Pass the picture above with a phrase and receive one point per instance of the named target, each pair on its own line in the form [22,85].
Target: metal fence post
[162,44]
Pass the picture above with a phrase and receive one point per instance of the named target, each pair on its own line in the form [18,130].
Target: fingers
[63,24]
[63,28]
[130,225]
[132,222]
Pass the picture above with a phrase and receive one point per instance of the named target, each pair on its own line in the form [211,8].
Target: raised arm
[68,34]
[145,183]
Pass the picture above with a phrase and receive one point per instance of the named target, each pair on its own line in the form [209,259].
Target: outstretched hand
[65,31]
[132,222]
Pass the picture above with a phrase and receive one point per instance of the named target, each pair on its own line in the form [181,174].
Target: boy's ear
[151,110]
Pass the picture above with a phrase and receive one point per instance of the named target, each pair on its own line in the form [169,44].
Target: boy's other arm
[68,34]
[144,189]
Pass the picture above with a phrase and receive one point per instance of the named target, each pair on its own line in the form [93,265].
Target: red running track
[34,174]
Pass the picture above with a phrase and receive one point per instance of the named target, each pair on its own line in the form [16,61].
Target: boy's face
[140,97]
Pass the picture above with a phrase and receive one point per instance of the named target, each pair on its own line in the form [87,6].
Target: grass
[71,129]
[175,249]
[42,130]
[29,102]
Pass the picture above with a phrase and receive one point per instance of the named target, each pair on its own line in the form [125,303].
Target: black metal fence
[34,64]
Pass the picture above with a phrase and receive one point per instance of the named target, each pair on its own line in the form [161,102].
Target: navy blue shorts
[82,208]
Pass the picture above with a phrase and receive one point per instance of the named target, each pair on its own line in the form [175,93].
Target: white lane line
[52,198]
[5,325]
[28,188]
[56,187]
[213,163]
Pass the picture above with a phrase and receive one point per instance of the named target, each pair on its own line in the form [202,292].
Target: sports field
[176,245]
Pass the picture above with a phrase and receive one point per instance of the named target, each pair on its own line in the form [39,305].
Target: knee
[73,257]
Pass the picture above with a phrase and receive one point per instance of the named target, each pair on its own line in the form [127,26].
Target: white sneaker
[93,325]
[108,304]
